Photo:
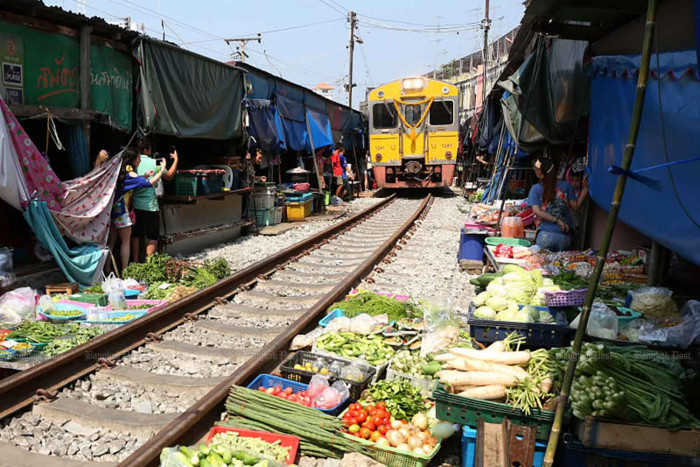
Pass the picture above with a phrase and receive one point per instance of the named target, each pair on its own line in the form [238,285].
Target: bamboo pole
[607,235]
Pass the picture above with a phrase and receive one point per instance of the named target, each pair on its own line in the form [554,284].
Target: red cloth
[335,162]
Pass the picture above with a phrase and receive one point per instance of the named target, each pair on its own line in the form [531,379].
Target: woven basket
[565,297]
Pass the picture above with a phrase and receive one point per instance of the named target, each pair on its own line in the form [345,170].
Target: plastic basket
[565,297]
[426,385]
[185,184]
[154,305]
[467,411]
[117,314]
[392,456]
[300,358]
[215,182]
[299,210]
[629,315]
[537,335]
[299,198]
[63,307]
[269,381]
[495,241]
[264,217]
[288,441]
[279,213]
[7,354]
[469,449]
[26,352]
[262,200]
[337,313]
[378,369]
[575,454]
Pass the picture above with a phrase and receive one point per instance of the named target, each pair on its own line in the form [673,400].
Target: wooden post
[85,79]
[562,400]
[656,264]
[319,176]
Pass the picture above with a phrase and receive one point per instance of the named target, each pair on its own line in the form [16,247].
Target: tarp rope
[414,134]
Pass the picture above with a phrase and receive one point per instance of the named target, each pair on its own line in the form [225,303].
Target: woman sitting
[552,201]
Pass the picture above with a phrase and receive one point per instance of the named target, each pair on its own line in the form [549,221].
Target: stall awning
[188,95]
[262,126]
[320,126]
[671,215]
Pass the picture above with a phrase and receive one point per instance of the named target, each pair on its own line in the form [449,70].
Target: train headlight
[448,154]
[413,84]
[378,157]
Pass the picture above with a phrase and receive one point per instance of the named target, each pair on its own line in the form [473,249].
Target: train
[414,133]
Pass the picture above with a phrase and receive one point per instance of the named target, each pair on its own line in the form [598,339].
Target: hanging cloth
[79,160]
[81,264]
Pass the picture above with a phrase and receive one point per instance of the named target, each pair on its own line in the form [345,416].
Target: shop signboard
[12,61]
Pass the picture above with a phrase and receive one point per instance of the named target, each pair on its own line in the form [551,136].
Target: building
[467,73]
[324,89]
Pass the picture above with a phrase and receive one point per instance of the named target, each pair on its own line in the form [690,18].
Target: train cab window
[384,116]
[412,113]
[442,113]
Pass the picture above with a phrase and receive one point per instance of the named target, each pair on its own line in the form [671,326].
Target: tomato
[365,433]
[355,406]
[370,426]
[261,388]
[362,416]
[346,415]
[369,407]
[353,413]
[381,405]
[372,412]
[374,437]
[276,390]
[354,428]
[382,429]
[288,391]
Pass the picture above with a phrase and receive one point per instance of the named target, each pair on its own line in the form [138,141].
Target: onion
[423,436]
[395,438]
[396,424]
[383,442]
[404,432]
[403,447]
[420,451]
[432,441]
[420,420]
[415,442]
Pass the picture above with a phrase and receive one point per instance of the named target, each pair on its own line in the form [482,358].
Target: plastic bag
[111,282]
[340,324]
[329,398]
[682,335]
[302,341]
[7,273]
[654,302]
[17,305]
[317,385]
[356,371]
[602,322]
[362,324]
[117,298]
[442,328]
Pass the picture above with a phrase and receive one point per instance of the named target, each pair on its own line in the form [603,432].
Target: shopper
[101,159]
[338,170]
[368,171]
[552,201]
[121,216]
[146,204]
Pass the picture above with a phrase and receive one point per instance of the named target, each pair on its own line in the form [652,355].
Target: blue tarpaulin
[262,125]
[292,121]
[671,216]
[320,126]
[81,264]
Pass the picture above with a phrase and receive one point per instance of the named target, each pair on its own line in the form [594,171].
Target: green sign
[47,65]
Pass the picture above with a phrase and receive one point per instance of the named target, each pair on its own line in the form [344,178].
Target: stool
[68,288]
[355,187]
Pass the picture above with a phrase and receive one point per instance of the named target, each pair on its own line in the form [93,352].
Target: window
[441,113]
[412,113]
[384,116]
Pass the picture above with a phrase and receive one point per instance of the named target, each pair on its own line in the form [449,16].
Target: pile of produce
[628,383]
[58,338]
[161,268]
[374,304]
[373,349]
[79,337]
[412,364]
[66,313]
[503,295]
[402,399]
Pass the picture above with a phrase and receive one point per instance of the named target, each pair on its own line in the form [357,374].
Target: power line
[272,31]
[364,59]
[334,8]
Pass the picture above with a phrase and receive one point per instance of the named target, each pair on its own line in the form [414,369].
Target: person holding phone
[145,201]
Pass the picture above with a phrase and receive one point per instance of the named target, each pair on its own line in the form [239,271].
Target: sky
[305,41]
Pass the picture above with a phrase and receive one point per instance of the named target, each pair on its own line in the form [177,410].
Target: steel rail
[191,425]
[42,381]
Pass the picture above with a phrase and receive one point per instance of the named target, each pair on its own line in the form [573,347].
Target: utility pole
[353,24]
[485,24]
[243,41]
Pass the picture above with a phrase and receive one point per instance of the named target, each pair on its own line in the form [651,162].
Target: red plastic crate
[288,441]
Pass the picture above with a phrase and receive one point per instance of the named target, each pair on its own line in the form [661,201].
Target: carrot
[475,378]
[507,358]
[481,365]
[491,392]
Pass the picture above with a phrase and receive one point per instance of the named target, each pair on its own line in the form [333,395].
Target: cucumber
[485,279]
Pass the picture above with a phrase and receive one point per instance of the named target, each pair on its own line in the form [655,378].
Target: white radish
[497,346]
[476,378]
[467,364]
[507,358]
[491,392]
[445,357]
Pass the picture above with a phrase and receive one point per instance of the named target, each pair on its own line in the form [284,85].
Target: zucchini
[485,279]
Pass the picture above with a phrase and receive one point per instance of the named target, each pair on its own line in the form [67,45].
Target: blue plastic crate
[537,335]
[575,454]
[469,449]
[299,198]
[337,313]
[268,381]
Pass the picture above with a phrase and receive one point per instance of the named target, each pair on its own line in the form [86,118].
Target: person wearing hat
[552,200]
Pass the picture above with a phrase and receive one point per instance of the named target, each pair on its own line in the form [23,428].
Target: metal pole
[351,47]
[486,26]
[607,235]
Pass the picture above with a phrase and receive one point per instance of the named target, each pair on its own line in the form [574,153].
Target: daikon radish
[445,357]
[491,392]
[476,378]
[507,358]
[467,364]
[497,346]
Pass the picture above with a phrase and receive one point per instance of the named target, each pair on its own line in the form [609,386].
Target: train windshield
[384,116]
[441,113]
[412,113]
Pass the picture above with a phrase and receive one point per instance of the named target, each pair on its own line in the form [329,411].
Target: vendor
[552,201]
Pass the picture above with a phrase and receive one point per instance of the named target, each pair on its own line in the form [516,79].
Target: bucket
[471,244]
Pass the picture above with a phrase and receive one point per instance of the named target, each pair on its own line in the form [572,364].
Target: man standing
[145,201]
[338,170]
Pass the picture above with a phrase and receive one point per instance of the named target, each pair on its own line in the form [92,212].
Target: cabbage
[480,299]
[547,281]
[521,292]
[496,290]
[516,277]
[484,312]
[545,317]
[513,268]
[515,317]
[512,307]
[497,303]
[536,276]
[532,311]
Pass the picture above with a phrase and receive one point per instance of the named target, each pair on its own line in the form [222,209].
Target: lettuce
[485,312]
[521,292]
[545,317]
[532,311]
[497,303]
[496,289]
[480,299]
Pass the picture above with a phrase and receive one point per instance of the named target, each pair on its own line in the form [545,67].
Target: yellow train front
[414,133]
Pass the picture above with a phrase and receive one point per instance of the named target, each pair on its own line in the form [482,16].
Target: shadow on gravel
[416,193]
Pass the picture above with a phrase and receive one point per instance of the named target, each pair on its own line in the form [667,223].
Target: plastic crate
[560,298]
[392,456]
[279,213]
[299,198]
[265,217]
[300,358]
[466,411]
[337,313]
[92,298]
[287,441]
[469,449]
[262,200]
[299,210]
[575,454]
[215,181]
[495,241]
[117,314]
[184,184]
[269,381]
[537,335]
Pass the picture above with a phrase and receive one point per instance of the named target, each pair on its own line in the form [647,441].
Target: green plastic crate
[393,457]
[466,411]
[93,298]
[184,184]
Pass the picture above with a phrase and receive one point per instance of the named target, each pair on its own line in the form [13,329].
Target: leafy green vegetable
[150,272]
[374,304]
[219,268]
[403,399]
[155,292]
[200,278]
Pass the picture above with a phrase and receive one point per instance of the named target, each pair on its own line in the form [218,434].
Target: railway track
[162,380]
